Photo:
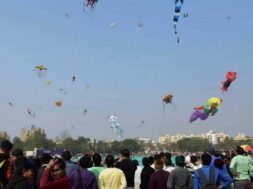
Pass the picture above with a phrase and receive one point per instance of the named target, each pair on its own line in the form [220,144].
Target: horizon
[121,72]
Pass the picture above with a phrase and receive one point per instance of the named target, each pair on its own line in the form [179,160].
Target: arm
[233,165]
[190,182]
[170,182]
[123,181]
[151,183]
[226,179]
[101,181]
[196,180]
[44,182]
[94,184]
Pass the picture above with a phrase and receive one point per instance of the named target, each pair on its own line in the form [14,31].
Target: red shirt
[62,183]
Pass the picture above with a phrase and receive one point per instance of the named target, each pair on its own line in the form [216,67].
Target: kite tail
[174,106]
[176,16]
[163,104]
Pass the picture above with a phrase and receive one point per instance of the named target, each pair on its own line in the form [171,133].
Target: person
[45,159]
[210,176]
[23,177]
[57,168]
[137,174]
[127,166]
[146,173]
[70,166]
[82,178]
[5,163]
[192,166]
[97,168]
[111,177]
[240,168]
[219,164]
[180,177]
[168,165]
[158,179]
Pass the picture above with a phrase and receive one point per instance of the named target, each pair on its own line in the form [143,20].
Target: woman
[57,169]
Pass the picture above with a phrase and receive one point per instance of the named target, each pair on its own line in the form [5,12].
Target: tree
[116,147]
[193,144]
[17,143]
[38,140]
[131,144]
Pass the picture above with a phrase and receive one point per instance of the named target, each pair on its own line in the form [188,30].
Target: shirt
[112,178]
[83,179]
[180,178]
[158,180]
[128,169]
[70,167]
[96,171]
[218,178]
[241,165]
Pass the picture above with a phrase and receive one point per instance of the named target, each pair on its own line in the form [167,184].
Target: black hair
[97,159]
[157,156]
[151,160]
[180,161]
[45,158]
[18,152]
[60,163]
[125,153]
[135,162]
[206,159]
[22,164]
[145,162]
[6,146]
[66,155]
[193,159]
[168,157]
[218,163]
[85,161]
[109,161]
[240,150]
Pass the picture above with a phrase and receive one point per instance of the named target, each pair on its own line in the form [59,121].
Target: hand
[51,163]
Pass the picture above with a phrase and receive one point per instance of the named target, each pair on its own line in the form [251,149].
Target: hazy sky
[128,73]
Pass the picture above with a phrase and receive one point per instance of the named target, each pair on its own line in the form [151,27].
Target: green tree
[116,147]
[193,144]
[131,144]
[17,143]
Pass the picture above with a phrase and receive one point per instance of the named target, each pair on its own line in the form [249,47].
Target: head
[167,159]
[66,155]
[109,161]
[125,154]
[24,168]
[218,163]
[6,147]
[193,159]
[180,161]
[59,169]
[145,162]
[135,163]
[17,153]
[239,150]
[84,162]
[206,159]
[97,159]
[45,158]
[151,160]
[212,151]
[158,164]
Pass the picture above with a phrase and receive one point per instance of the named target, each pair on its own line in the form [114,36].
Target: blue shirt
[225,179]
[70,167]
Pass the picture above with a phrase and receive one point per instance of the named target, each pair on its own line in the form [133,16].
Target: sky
[128,72]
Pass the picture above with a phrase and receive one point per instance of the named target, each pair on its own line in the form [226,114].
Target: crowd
[208,170]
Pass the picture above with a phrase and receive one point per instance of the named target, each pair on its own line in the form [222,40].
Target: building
[25,133]
[242,136]
[4,135]
[212,136]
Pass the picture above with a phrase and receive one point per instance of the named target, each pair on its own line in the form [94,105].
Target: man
[158,180]
[180,178]
[5,163]
[146,173]
[210,176]
[111,177]
[23,176]
[82,178]
[240,168]
[168,165]
[97,168]
[70,166]
[128,167]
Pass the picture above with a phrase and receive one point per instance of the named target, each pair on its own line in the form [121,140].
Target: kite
[186,15]
[48,82]
[89,4]
[203,112]
[230,77]
[115,125]
[63,91]
[58,103]
[29,112]
[10,104]
[73,78]
[113,25]
[41,70]
[85,111]
[139,27]
[167,99]
[178,6]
